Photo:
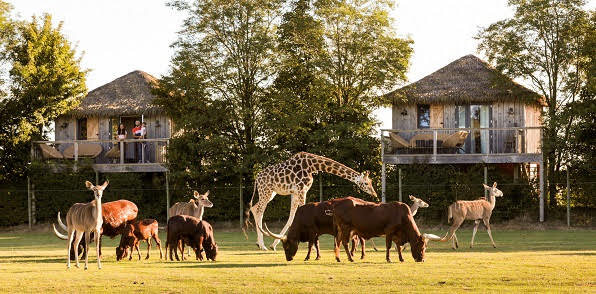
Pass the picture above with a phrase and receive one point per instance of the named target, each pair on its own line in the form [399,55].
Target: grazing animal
[310,222]
[83,218]
[417,203]
[394,220]
[116,214]
[198,233]
[136,232]
[194,207]
[294,177]
[476,210]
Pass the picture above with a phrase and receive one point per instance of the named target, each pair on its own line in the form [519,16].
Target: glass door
[479,118]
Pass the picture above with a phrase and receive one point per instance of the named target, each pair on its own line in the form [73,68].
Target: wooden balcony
[106,156]
[462,145]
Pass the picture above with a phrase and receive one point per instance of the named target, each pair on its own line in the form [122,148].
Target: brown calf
[136,232]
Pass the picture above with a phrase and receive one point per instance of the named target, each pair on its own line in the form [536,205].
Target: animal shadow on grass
[228,265]
[578,253]
[32,259]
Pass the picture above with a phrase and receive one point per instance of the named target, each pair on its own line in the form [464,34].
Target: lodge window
[82,129]
[423,114]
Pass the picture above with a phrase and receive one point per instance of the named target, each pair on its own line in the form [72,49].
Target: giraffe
[294,177]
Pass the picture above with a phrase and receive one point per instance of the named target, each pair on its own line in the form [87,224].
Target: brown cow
[368,220]
[136,232]
[310,222]
[116,214]
[191,230]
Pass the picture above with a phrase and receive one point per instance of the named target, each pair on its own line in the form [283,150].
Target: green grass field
[525,261]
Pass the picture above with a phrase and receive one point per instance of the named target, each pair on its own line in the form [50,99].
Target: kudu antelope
[194,207]
[84,218]
[476,210]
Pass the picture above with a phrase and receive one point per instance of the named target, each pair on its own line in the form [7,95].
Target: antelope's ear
[486,187]
[412,198]
[88,185]
[495,185]
[207,194]
[105,184]
[195,194]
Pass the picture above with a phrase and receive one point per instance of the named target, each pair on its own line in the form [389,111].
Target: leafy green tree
[45,81]
[253,82]
[363,55]
[223,65]
[542,44]
[336,56]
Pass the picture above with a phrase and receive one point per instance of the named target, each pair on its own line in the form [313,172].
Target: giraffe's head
[365,184]
[493,191]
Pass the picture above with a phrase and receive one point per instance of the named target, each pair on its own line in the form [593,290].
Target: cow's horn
[58,234]
[431,237]
[276,236]
[61,223]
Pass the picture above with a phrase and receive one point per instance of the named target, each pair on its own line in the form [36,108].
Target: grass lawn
[525,261]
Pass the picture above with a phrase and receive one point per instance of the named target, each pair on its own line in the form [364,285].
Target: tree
[542,44]
[45,81]
[336,56]
[225,48]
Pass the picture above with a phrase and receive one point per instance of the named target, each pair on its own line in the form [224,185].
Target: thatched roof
[127,95]
[466,80]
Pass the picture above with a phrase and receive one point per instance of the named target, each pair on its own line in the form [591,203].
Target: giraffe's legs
[297,200]
[258,210]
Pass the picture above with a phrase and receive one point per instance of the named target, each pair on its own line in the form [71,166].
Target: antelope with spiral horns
[476,210]
[84,218]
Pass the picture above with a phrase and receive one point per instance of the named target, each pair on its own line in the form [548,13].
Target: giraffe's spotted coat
[294,177]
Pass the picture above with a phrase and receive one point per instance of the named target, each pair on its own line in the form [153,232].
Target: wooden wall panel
[404,122]
[533,119]
[449,116]
[64,133]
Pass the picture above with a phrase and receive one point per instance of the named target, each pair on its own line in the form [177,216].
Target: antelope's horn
[61,223]
[276,236]
[58,234]
[431,237]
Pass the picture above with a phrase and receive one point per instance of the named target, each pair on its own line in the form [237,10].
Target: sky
[118,37]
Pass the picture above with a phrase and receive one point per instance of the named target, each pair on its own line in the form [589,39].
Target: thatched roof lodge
[468,79]
[123,100]
[467,93]
[127,95]
[453,89]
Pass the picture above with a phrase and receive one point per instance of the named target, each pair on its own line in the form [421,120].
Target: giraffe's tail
[247,222]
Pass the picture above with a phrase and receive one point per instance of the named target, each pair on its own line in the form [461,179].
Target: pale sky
[121,36]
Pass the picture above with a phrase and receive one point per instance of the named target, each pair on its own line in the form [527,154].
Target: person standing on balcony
[121,135]
[136,133]
[144,144]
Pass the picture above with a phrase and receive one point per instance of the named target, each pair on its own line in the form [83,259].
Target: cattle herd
[349,220]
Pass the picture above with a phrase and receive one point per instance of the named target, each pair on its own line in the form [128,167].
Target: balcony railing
[127,151]
[462,141]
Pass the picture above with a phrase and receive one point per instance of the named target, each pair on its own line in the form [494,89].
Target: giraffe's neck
[324,164]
